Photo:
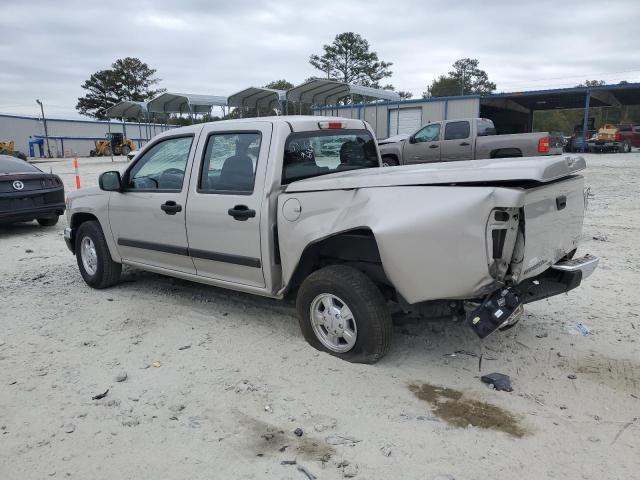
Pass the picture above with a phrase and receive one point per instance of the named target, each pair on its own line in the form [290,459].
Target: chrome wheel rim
[89,256]
[333,323]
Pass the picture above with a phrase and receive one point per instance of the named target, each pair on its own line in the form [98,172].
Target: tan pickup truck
[298,206]
[465,139]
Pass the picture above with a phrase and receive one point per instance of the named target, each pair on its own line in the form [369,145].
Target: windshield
[310,154]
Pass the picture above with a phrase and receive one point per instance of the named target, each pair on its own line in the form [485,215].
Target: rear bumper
[32,213]
[560,278]
[503,307]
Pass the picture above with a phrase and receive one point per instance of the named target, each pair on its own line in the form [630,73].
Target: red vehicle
[619,138]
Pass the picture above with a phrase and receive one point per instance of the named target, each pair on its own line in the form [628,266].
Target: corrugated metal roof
[169,102]
[320,91]
[257,97]
[127,109]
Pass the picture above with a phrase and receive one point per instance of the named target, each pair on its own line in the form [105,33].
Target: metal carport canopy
[185,103]
[257,97]
[127,109]
[561,98]
[318,91]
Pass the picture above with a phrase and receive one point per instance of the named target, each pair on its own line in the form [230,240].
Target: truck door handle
[464,144]
[433,145]
[561,202]
[170,207]
[241,212]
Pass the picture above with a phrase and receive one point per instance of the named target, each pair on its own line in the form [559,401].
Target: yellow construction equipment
[113,144]
[9,148]
[607,133]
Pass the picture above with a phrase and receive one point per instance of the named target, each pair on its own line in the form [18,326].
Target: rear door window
[229,164]
[456,130]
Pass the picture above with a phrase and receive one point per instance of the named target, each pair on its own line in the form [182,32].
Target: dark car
[27,193]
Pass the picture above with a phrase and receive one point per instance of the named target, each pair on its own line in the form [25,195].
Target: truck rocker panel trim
[203,254]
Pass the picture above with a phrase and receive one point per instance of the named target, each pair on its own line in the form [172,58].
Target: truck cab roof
[296,123]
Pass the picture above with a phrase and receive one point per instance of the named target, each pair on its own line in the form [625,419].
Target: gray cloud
[50,48]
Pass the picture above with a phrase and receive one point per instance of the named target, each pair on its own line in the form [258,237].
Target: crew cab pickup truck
[271,206]
[465,139]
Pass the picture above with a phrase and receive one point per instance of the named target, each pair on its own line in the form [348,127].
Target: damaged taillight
[543,145]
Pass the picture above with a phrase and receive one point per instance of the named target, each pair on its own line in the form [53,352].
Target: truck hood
[531,169]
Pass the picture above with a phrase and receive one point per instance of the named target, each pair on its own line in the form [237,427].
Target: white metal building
[69,137]
[393,118]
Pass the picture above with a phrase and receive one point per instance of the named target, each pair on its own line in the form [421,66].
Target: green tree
[127,79]
[102,92]
[466,78]
[135,79]
[443,86]
[279,85]
[592,83]
[471,78]
[349,59]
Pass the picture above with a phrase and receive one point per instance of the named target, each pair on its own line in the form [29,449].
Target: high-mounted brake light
[331,125]
[543,145]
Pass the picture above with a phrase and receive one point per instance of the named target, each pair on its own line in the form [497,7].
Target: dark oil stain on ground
[451,406]
[267,440]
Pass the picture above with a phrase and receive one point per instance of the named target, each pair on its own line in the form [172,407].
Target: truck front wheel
[94,260]
[343,313]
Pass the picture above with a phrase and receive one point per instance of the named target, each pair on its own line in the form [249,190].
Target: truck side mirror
[412,139]
[110,181]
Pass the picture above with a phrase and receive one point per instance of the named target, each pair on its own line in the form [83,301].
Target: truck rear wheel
[343,313]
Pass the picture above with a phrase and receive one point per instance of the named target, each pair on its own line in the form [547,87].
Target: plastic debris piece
[309,475]
[500,381]
[583,329]
[100,395]
[156,364]
[298,432]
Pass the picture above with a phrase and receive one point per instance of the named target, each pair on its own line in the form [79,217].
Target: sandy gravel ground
[217,382]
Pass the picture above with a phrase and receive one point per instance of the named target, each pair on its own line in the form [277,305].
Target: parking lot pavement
[217,382]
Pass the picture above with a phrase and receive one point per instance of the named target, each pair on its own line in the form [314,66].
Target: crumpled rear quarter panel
[432,239]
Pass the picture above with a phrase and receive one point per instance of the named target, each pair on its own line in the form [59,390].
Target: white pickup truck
[271,206]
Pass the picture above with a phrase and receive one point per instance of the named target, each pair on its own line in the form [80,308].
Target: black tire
[364,299]
[125,150]
[107,272]
[48,221]
[389,162]
[627,147]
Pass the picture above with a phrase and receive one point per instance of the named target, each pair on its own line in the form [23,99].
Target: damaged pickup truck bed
[269,206]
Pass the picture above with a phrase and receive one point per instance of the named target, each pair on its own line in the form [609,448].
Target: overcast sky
[48,48]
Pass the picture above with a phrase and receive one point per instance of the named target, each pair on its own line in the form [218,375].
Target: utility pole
[46,130]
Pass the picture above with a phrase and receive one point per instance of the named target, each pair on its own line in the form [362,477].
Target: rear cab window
[315,153]
[485,127]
